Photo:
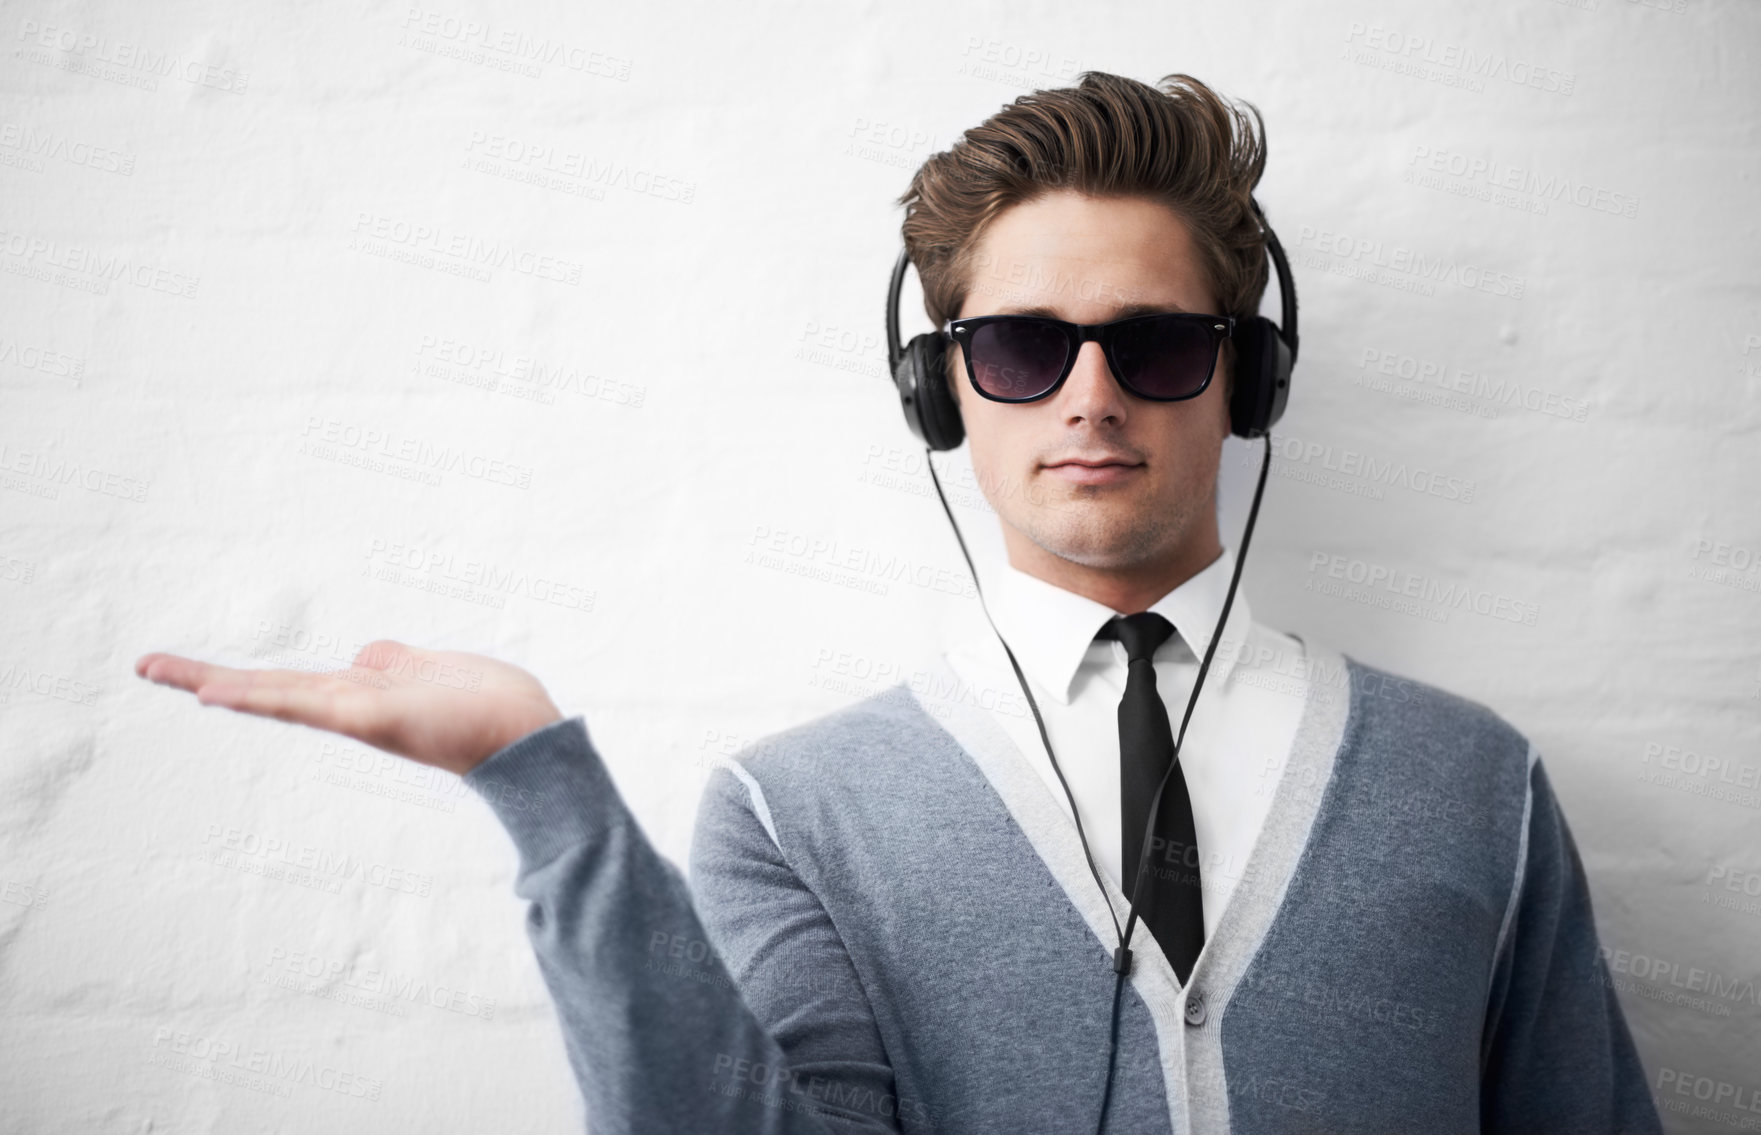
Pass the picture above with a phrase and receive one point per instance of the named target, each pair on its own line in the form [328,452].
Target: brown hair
[1179,143]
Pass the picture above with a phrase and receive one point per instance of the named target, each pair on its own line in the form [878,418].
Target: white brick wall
[327,322]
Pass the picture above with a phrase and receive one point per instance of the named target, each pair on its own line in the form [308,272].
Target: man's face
[1084,259]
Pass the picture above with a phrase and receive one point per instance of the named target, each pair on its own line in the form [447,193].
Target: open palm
[443,708]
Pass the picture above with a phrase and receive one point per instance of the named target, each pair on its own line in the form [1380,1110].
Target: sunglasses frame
[960,331]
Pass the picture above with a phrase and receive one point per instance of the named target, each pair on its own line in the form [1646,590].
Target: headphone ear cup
[929,406]
[1262,377]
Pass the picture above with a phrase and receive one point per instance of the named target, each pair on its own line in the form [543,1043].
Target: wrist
[511,734]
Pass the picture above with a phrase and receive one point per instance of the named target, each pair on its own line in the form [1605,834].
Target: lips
[1090,462]
[1102,470]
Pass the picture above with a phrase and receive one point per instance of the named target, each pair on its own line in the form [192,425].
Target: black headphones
[1265,353]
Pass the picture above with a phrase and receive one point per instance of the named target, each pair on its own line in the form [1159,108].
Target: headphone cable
[1121,955]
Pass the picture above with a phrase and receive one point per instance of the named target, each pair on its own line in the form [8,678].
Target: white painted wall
[208,279]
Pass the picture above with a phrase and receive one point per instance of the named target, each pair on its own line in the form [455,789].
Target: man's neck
[1129,589]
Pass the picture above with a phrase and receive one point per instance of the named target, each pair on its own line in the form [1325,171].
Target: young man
[894,925]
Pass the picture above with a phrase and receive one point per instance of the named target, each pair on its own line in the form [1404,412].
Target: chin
[1094,544]
[1100,533]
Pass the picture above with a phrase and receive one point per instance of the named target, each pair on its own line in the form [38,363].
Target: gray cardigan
[891,927]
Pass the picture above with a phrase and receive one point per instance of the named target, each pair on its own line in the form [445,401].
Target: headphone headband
[1286,286]
[899,267]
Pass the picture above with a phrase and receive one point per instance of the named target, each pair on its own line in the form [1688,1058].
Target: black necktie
[1171,905]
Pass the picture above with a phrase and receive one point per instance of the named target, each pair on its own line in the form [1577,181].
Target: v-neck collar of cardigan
[1296,801]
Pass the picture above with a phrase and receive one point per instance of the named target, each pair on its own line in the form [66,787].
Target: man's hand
[439,707]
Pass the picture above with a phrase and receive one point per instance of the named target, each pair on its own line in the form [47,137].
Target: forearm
[657,1033]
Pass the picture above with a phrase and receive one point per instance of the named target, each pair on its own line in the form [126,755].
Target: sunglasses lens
[1164,357]
[1017,358]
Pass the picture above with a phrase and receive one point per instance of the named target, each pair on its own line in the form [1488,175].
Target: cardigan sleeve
[1557,1054]
[658,1034]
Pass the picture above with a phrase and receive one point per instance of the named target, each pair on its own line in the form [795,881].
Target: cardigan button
[1195,1010]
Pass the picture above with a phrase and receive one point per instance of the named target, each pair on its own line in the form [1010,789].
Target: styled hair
[1179,143]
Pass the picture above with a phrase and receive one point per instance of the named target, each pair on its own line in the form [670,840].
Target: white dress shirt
[1236,744]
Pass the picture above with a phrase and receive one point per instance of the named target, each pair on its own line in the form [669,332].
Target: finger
[145,661]
[184,673]
[322,701]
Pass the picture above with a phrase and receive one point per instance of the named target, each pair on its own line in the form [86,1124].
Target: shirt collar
[1049,629]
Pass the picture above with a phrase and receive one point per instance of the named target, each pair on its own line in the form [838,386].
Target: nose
[1091,391]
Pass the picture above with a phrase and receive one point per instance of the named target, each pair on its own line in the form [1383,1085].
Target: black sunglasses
[1164,356]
